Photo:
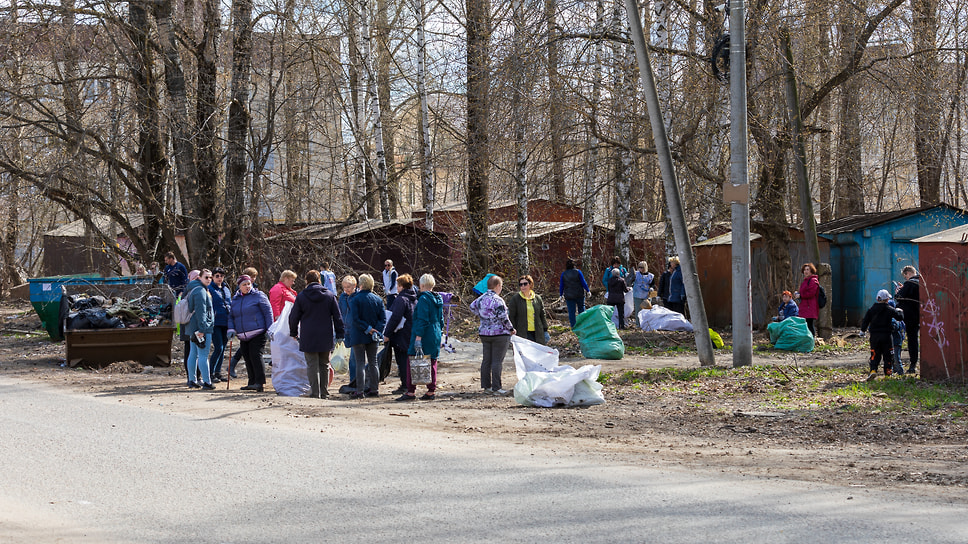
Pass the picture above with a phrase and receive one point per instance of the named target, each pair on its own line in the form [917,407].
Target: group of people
[320,318]
[890,319]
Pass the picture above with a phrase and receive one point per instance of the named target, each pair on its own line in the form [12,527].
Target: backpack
[182,314]
[821,297]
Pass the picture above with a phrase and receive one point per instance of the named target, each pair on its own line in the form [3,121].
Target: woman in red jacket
[808,293]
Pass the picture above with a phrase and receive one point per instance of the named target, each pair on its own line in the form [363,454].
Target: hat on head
[883,295]
[787,293]
[242,278]
[193,274]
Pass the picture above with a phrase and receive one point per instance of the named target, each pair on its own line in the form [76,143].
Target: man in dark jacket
[664,284]
[573,287]
[176,275]
[318,312]
[878,320]
[909,301]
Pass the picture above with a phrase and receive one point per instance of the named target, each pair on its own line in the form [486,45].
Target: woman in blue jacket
[250,320]
[199,328]
[364,333]
[677,289]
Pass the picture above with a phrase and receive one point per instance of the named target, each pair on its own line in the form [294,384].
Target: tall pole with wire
[738,191]
[687,260]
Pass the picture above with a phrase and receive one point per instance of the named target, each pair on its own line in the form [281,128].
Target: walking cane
[228,375]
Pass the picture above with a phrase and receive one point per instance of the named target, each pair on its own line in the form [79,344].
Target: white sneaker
[500,392]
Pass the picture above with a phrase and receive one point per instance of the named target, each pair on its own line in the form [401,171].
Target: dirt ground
[796,416]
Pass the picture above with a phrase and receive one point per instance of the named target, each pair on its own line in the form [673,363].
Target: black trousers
[252,354]
[882,346]
[912,330]
[403,364]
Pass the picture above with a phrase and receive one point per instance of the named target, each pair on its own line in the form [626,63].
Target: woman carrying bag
[428,322]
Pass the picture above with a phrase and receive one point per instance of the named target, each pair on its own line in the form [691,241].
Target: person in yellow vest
[526,312]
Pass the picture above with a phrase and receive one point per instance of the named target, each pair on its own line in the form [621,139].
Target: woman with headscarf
[250,320]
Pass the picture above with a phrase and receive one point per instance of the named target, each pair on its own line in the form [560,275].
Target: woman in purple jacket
[250,319]
[495,332]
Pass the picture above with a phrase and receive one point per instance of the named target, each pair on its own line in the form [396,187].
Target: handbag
[420,368]
[384,359]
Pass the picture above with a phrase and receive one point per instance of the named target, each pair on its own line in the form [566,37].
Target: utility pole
[737,191]
[704,346]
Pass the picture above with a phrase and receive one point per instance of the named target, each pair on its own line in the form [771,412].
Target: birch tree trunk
[591,160]
[426,163]
[520,149]
[556,123]
[389,189]
[373,100]
[477,255]
[233,248]
[623,85]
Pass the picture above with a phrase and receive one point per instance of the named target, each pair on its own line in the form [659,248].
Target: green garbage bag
[791,334]
[597,337]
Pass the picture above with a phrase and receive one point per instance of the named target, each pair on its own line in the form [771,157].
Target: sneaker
[193,385]
[399,391]
[500,392]
[406,398]
[216,379]
[208,386]
[428,396]
[872,376]
[357,395]
[911,369]
[372,393]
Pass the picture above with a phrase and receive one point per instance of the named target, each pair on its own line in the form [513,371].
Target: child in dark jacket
[879,320]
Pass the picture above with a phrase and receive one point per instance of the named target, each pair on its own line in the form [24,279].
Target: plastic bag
[663,319]
[598,338]
[543,382]
[289,374]
[384,359]
[340,359]
[791,334]
[716,339]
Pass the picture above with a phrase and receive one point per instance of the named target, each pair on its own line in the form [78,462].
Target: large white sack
[629,308]
[543,382]
[289,376]
[663,319]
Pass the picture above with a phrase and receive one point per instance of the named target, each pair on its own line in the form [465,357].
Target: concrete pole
[739,190]
[704,346]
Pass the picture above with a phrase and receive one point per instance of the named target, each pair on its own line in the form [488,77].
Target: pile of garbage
[99,312]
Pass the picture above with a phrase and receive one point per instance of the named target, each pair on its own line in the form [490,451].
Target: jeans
[367,371]
[317,367]
[575,307]
[198,360]
[252,354]
[219,340]
[495,348]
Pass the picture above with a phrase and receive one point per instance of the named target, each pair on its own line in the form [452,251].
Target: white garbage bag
[629,308]
[663,319]
[543,382]
[289,376]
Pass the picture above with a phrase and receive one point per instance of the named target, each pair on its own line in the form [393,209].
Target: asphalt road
[80,468]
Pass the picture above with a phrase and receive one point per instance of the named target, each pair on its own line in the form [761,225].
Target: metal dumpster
[47,296]
[99,347]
